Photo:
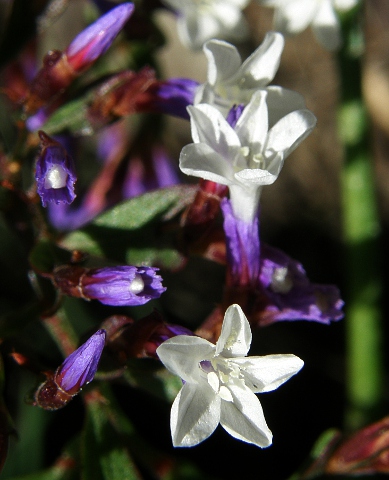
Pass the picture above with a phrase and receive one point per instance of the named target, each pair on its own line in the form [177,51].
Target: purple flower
[55,173]
[80,367]
[122,285]
[276,286]
[173,96]
[98,37]
[242,242]
[287,293]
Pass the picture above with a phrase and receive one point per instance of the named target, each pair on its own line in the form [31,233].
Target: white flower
[230,82]
[200,20]
[246,157]
[294,16]
[221,382]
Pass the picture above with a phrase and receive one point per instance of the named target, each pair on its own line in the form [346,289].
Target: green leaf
[105,455]
[72,117]
[136,231]
[63,469]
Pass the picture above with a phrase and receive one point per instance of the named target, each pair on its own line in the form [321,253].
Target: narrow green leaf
[72,117]
[135,231]
[105,457]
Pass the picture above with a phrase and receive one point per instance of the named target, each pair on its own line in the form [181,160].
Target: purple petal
[55,173]
[80,367]
[242,241]
[122,285]
[289,293]
[98,37]
[174,95]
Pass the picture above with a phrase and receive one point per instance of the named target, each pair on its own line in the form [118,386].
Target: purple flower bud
[123,285]
[242,242]
[55,173]
[173,96]
[80,367]
[98,37]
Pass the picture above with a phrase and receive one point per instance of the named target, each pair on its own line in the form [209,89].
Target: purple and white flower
[231,82]
[198,21]
[220,383]
[293,16]
[244,158]
[54,173]
[122,285]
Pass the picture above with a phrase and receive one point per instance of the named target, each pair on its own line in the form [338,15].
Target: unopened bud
[61,68]
[77,370]
[366,452]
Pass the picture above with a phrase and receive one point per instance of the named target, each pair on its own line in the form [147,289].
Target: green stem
[361,239]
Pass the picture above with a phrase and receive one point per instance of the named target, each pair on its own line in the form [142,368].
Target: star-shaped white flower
[231,82]
[221,382]
[200,20]
[246,157]
[294,16]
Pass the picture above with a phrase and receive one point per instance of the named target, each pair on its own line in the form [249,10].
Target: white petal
[264,374]
[252,125]
[194,28]
[345,4]
[209,126]
[194,415]
[182,354]
[223,60]
[243,418]
[241,4]
[295,16]
[261,66]
[326,27]
[200,160]
[258,176]
[281,101]
[290,131]
[235,336]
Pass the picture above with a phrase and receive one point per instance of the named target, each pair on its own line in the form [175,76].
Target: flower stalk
[361,238]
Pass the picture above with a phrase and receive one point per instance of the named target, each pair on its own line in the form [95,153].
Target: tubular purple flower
[289,295]
[54,173]
[243,246]
[98,37]
[122,285]
[80,367]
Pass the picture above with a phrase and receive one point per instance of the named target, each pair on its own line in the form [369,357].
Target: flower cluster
[117,227]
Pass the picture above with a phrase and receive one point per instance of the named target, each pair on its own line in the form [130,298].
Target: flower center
[281,281]
[56,177]
[218,375]
[137,285]
[253,161]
